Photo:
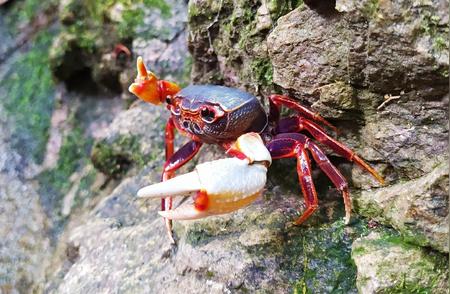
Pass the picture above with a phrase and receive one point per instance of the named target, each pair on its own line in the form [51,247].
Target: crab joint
[216,187]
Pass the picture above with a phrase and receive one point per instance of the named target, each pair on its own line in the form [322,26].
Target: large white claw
[219,186]
[177,186]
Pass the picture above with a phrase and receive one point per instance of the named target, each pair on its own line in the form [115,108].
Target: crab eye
[169,99]
[208,115]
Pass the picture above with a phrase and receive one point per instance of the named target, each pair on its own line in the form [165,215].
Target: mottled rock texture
[123,247]
[345,60]
[376,69]
[129,142]
[24,237]
[417,208]
[387,265]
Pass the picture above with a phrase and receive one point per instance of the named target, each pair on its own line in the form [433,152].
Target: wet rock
[388,265]
[227,40]
[123,247]
[336,101]
[418,209]
[24,243]
[133,138]
[363,46]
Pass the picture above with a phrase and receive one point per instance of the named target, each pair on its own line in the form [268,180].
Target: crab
[236,121]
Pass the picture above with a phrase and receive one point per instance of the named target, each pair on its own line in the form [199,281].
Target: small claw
[145,85]
[253,147]
[141,69]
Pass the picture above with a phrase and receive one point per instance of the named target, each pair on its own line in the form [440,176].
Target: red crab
[233,119]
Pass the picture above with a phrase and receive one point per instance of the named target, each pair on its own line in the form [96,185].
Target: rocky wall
[377,69]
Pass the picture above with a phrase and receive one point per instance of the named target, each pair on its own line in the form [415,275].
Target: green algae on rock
[229,41]
[28,92]
[253,249]
[91,30]
[418,209]
[386,264]
[129,143]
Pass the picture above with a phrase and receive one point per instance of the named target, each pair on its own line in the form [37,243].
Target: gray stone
[133,138]
[123,247]
[24,241]
[24,238]
[388,265]
[161,41]
[417,208]
[364,46]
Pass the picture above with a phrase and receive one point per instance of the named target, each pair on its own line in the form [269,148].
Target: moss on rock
[116,158]
[72,155]
[90,33]
[418,209]
[386,264]
[233,37]
[309,258]
[29,96]
[128,142]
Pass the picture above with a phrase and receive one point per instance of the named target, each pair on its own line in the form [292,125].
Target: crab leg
[294,145]
[288,148]
[276,101]
[219,186]
[297,124]
[169,150]
[175,161]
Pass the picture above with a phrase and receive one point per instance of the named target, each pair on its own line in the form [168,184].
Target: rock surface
[378,70]
[162,40]
[417,208]
[364,46]
[370,51]
[129,141]
[24,238]
[123,247]
[387,265]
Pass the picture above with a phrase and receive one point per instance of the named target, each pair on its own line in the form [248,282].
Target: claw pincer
[219,186]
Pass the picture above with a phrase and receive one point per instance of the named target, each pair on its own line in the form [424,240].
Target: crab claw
[217,187]
[147,87]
